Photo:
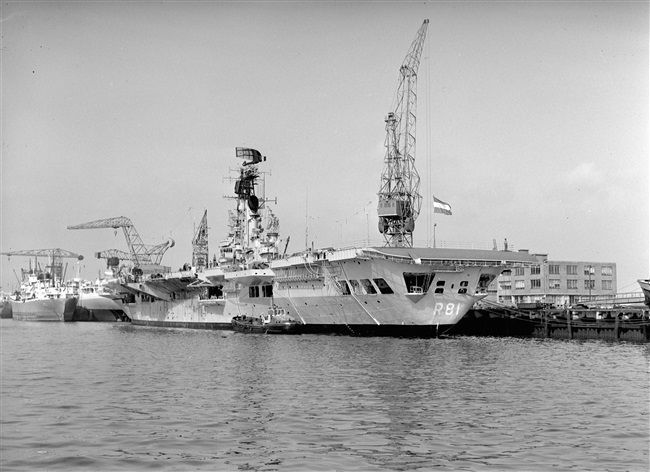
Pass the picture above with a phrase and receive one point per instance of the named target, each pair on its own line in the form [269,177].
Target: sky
[532,123]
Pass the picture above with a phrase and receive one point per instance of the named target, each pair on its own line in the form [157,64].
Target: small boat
[275,322]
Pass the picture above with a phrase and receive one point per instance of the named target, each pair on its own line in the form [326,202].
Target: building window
[590,284]
[534,270]
[589,270]
[519,271]
[572,270]
[554,283]
[607,284]
[607,271]
[520,284]
[572,284]
[505,285]
[535,283]
[506,273]
[554,269]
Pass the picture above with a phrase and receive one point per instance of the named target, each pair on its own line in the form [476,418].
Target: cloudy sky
[532,122]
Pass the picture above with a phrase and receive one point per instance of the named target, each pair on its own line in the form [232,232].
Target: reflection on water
[112,396]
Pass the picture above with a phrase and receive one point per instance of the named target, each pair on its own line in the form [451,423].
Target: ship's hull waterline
[52,309]
[101,307]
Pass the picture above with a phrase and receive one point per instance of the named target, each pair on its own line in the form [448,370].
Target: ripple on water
[142,398]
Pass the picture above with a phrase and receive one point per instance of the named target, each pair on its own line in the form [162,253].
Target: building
[558,283]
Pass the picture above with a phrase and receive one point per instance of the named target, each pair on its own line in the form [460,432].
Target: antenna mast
[399,197]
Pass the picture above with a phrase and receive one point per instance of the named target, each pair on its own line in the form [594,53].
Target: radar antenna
[399,197]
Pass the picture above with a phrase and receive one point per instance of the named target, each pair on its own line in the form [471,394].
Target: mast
[399,197]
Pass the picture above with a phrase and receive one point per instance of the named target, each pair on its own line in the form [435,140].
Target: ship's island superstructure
[208,294]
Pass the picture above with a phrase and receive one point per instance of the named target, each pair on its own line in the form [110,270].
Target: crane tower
[399,197]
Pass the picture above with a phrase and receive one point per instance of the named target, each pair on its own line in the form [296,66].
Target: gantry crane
[399,197]
[55,264]
[140,254]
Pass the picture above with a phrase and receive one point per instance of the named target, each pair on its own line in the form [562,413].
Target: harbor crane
[113,257]
[200,251]
[140,254]
[55,263]
[399,197]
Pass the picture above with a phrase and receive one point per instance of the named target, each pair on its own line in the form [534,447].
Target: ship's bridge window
[368,287]
[254,291]
[418,282]
[383,286]
[267,290]
[463,286]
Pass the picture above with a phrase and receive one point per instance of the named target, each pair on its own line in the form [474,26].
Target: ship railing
[428,244]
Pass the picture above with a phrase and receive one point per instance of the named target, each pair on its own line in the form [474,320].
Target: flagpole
[434,235]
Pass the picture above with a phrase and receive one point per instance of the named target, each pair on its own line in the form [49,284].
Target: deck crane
[140,254]
[55,264]
[399,197]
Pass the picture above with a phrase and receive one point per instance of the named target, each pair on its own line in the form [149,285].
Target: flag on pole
[441,207]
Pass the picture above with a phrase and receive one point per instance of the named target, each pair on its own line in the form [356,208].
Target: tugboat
[275,322]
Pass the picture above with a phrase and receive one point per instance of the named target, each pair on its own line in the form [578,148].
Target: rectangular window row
[554,269]
[266,291]
[365,286]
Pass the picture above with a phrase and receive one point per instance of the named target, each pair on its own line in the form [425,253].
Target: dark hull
[377,330]
[184,324]
[6,310]
[253,326]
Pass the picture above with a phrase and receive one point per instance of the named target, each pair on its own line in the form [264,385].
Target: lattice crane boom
[54,257]
[399,197]
[140,253]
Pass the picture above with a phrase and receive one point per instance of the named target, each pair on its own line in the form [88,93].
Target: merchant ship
[44,295]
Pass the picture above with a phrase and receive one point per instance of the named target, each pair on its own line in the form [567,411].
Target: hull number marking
[449,309]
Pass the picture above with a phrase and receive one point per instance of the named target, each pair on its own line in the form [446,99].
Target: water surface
[103,396]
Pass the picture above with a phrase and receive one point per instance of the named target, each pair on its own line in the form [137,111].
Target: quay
[582,322]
